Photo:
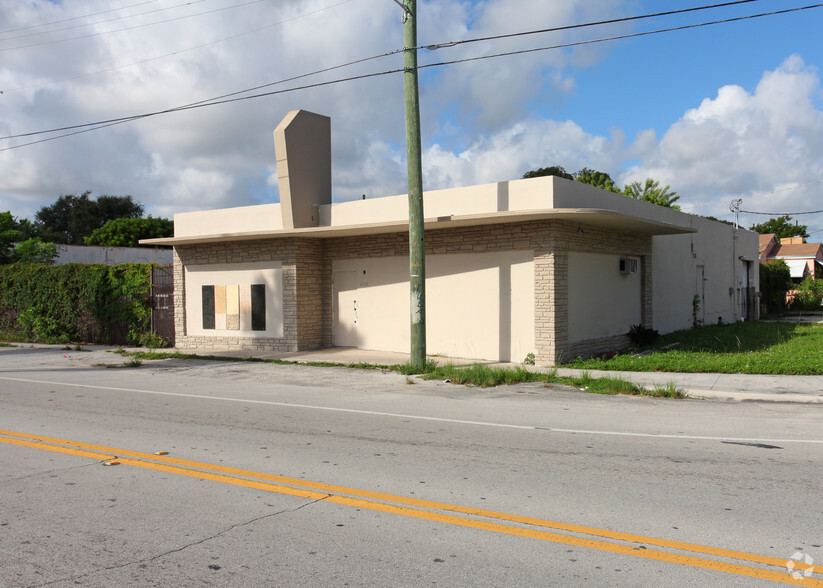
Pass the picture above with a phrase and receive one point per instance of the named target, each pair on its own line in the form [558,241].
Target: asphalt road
[302,476]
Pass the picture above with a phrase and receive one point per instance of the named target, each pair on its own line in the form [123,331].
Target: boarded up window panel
[258,307]
[220,308]
[233,307]
[208,307]
[245,307]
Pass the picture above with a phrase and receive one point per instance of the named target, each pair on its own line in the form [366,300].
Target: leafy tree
[72,218]
[775,281]
[650,191]
[808,295]
[719,220]
[555,170]
[34,251]
[127,232]
[782,227]
[596,178]
[9,235]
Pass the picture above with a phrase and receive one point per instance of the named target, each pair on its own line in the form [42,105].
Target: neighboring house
[545,266]
[111,255]
[767,243]
[803,259]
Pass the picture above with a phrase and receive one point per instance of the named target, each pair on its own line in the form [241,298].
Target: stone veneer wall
[551,242]
[307,269]
[282,250]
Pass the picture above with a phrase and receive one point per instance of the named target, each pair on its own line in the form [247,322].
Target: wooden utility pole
[417,243]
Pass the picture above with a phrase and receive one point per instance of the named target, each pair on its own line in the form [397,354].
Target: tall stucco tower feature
[302,145]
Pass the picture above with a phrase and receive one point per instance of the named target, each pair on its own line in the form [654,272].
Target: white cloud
[740,144]
[483,121]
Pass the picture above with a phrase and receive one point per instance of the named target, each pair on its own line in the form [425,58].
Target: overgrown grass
[485,376]
[477,374]
[748,348]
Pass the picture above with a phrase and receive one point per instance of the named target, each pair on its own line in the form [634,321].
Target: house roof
[765,240]
[798,250]
[589,216]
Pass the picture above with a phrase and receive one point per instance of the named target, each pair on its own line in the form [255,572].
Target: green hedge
[75,302]
[775,281]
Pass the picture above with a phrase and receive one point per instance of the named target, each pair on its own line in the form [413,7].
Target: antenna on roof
[734,206]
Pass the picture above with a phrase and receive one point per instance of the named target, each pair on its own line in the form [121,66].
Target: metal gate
[162,302]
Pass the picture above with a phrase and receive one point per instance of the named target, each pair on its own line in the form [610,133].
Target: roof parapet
[302,145]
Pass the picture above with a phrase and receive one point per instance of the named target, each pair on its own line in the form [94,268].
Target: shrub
[57,304]
[642,336]
[808,296]
[775,281]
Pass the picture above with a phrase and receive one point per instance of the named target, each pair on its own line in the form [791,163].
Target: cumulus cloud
[484,121]
[740,144]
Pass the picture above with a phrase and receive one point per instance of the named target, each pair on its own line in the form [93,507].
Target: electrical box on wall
[628,265]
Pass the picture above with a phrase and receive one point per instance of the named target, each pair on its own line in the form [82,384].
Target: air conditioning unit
[628,265]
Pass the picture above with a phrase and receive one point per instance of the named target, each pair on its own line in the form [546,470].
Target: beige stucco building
[545,266]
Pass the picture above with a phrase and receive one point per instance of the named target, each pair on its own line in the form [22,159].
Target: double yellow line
[533,528]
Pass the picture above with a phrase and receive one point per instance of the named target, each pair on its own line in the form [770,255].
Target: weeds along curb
[477,374]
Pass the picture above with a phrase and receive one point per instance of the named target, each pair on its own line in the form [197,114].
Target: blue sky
[654,79]
[644,107]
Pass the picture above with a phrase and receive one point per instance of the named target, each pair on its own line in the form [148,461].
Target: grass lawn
[752,347]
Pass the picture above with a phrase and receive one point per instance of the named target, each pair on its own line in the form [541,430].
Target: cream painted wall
[242,219]
[530,194]
[602,301]
[268,273]
[477,305]
[707,263]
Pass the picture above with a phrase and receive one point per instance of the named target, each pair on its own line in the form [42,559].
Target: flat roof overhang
[590,216]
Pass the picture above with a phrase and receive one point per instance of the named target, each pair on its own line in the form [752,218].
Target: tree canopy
[72,218]
[9,235]
[127,232]
[782,227]
[34,251]
[596,178]
[555,170]
[649,191]
[16,245]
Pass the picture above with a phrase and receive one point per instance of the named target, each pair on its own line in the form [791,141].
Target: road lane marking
[423,418]
[400,505]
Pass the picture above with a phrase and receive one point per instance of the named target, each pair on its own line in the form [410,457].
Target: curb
[752,396]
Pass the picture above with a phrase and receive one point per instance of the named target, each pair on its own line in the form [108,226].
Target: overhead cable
[213,102]
[140,26]
[62,20]
[781,213]
[579,26]
[187,49]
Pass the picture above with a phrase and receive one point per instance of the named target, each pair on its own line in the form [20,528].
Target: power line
[752,197]
[628,36]
[782,213]
[578,26]
[428,47]
[148,59]
[88,24]
[219,99]
[46,24]
[148,24]
[86,127]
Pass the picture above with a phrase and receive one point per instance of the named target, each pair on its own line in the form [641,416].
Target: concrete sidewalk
[807,389]
[740,387]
